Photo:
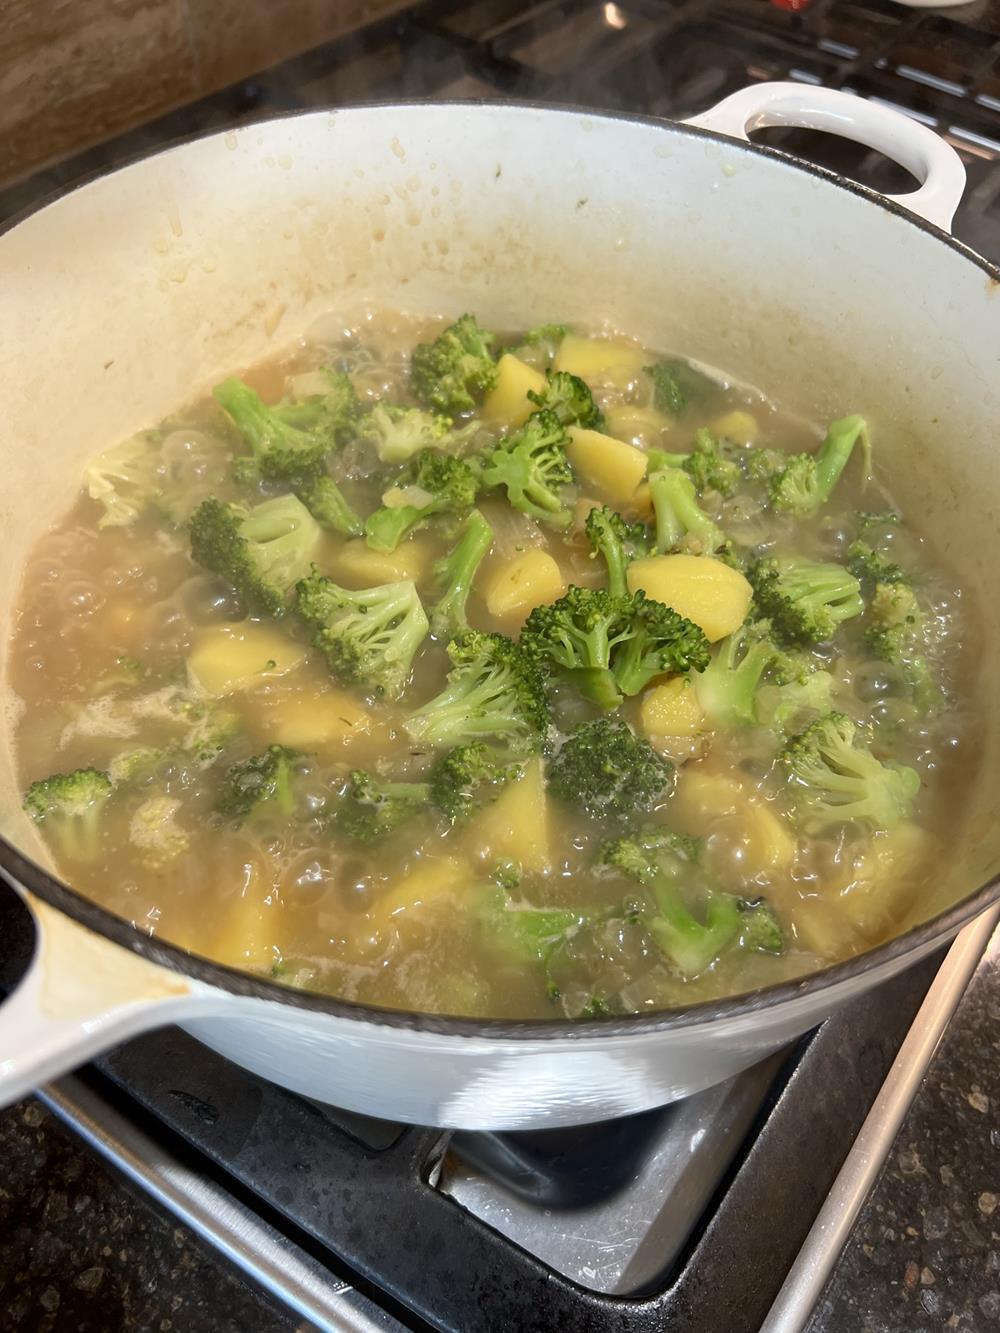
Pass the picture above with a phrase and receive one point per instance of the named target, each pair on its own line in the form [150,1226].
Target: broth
[133,660]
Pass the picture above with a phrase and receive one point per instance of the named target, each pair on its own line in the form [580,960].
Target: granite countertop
[83,1252]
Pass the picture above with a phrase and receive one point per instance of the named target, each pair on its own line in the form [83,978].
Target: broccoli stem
[690,945]
[678,514]
[836,449]
[457,572]
[325,501]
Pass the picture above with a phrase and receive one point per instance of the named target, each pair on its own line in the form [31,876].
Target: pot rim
[247,985]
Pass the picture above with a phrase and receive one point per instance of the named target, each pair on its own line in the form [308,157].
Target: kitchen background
[88,83]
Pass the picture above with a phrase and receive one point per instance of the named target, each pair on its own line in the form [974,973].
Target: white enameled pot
[119,299]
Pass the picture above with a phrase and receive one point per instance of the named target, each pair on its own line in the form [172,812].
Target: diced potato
[508,402]
[881,884]
[429,884]
[528,580]
[642,502]
[361,567]
[822,928]
[672,709]
[706,801]
[225,659]
[323,721]
[740,427]
[600,359]
[703,797]
[712,594]
[637,425]
[516,827]
[770,843]
[609,466]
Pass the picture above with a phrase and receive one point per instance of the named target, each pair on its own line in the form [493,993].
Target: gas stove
[721,1212]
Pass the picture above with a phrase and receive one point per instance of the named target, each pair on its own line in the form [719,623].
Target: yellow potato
[508,402]
[225,659]
[637,425]
[672,709]
[609,466]
[600,358]
[516,826]
[880,885]
[706,801]
[361,567]
[528,580]
[712,594]
[740,427]
[701,798]
[770,844]
[312,721]
[430,883]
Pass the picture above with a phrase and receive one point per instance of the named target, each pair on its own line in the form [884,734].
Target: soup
[537,675]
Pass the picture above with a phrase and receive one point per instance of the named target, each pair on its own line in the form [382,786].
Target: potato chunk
[600,359]
[712,594]
[226,659]
[361,567]
[604,464]
[516,827]
[508,402]
[323,721]
[672,709]
[527,580]
[740,427]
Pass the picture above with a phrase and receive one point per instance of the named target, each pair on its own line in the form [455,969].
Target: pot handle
[81,995]
[922,152]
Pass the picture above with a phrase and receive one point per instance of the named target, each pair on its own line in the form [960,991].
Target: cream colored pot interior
[123,299]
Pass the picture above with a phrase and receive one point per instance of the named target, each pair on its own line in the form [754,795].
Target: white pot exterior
[151,283]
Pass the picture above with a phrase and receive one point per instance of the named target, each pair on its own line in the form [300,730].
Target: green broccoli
[69,807]
[806,481]
[153,830]
[792,698]
[397,433]
[434,483]
[617,543]
[325,501]
[727,688]
[760,929]
[762,464]
[870,565]
[253,784]
[713,464]
[290,441]
[606,770]
[261,552]
[450,374]
[651,852]
[567,397]
[125,479]
[676,385]
[532,466]
[835,779]
[369,636]
[526,934]
[465,777]
[578,634]
[681,523]
[896,632]
[456,572]
[495,691]
[548,336]
[805,600]
[660,640]
[371,808]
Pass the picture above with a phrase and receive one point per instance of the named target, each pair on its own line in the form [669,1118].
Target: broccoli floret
[650,852]
[681,523]
[434,483]
[676,385]
[466,777]
[495,691]
[546,335]
[455,370]
[372,808]
[806,481]
[760,929]
[527,934]
[896,632]
[713,466]
[835,778]
[290,441]
[124,480]
[369,636]
[325,501]
[397,433]
[617,543]
[154,831]
[785,707]
[761,464]
[255,783]
[578,634]
[868,564]
[69,807]
[532,466]
[567,397]
[805,600]
[260,552]
[606,770]
[455,574]
[727,688]
[660,640]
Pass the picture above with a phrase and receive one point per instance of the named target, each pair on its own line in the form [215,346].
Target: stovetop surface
[630,1225]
